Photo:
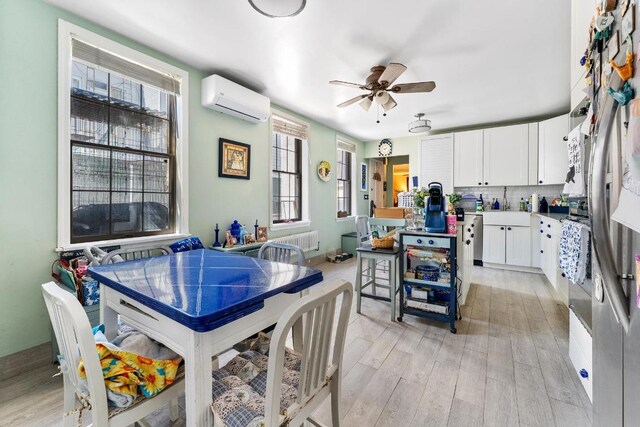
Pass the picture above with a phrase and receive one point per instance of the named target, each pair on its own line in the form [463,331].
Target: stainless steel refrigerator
[615,316]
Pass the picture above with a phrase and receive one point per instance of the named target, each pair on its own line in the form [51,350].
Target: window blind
[287,127]
[117,64]
[346,146]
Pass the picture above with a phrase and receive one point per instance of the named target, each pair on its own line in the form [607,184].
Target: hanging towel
[574,182]
[574,250]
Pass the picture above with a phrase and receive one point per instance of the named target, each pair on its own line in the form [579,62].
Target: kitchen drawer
[427,241]
[582,366]
[581,336]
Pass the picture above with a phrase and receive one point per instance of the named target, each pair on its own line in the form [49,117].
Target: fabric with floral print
[239,388]
[131,374]
[574,250]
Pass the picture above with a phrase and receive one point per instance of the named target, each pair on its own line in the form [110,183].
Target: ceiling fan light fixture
[382,97]
[420,125]
[278,8]
[366,103]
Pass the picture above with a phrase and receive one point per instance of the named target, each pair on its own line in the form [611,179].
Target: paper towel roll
[535,203]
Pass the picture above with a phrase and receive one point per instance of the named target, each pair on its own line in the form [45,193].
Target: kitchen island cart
[428,275]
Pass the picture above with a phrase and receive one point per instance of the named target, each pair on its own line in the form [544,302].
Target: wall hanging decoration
[385,148]
[324,170]
[363,177]
[624,71]
[234,159]
[376,176]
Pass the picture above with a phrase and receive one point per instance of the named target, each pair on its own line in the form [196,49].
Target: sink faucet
[504,200]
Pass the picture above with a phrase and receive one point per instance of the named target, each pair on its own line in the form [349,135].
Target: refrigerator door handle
[601,233]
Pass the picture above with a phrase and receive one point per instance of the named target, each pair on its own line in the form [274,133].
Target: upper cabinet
[506,155]
[468,154]
[552,150]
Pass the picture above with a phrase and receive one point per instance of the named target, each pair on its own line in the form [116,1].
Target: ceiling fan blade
[391,73]
[352,100]
[341,83]
[391,103]
[413,87]
[366,103]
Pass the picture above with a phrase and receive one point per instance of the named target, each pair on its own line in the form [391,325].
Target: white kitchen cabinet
[467,160]
[506,155]
[552,150]
[493,244]
[550,233]
[518,246]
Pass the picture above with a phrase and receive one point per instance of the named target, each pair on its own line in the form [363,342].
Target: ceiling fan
[378,84]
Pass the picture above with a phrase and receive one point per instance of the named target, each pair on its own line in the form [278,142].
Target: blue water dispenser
[435,221]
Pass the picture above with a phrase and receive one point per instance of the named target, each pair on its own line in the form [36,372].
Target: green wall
[28,167]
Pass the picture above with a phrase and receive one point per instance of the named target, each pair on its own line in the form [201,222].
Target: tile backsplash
[513,193]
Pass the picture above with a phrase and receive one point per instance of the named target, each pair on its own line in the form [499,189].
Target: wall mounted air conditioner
[230,98]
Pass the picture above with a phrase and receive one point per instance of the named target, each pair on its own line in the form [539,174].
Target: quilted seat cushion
[239,388]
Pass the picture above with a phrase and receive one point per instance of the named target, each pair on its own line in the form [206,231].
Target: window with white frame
[120,145]
[345,182]
[288,170]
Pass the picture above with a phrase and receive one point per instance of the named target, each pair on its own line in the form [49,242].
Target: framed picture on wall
[234,159]
[363,177]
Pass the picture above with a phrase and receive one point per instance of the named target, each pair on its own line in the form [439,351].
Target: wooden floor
[508,365]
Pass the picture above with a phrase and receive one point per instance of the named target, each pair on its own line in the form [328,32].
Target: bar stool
[389,257]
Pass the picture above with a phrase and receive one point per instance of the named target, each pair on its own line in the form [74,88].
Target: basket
[384,243]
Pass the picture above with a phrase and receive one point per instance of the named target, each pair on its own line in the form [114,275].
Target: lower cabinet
[493,244]
[550,234]
[518,246]
[506,244]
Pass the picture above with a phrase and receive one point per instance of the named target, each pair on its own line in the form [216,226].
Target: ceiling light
[382,97]
[278,8]
[420,125]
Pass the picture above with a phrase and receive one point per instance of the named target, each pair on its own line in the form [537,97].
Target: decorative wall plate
[324,170]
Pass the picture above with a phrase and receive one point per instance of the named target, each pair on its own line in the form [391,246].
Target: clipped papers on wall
[574,183]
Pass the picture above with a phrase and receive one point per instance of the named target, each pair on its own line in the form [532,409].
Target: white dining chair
[75,340]
[281,252]
[297,382]
[134,252]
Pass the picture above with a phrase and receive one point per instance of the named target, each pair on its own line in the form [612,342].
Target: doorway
[396,179]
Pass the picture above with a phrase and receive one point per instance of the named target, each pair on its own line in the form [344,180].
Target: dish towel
[574,182]
[574,250]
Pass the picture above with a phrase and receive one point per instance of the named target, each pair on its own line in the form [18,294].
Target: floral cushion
[239,388]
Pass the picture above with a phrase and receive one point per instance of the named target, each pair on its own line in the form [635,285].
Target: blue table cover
[204,289]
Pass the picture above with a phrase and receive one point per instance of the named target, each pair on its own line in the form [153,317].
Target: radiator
[305,241]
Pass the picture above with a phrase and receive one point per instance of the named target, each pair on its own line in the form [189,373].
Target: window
[288,171]
[345,172]
[121,151]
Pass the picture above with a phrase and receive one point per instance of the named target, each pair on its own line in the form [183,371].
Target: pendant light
[278,8]
[420,125]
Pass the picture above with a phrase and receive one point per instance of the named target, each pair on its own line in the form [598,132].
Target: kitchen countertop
[554,216]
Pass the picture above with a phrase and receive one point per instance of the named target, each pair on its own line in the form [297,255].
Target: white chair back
[75,340]
[137,252]
[319,340]
[363,230]
[281,252]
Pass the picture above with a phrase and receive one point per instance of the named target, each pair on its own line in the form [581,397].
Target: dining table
[199,304]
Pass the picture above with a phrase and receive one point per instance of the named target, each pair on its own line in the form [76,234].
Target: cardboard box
[391,213]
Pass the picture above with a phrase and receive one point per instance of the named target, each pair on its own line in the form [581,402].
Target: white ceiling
[492,60]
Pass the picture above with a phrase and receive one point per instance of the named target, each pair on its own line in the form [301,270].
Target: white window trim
[354,188]
[65,32]
[305,222]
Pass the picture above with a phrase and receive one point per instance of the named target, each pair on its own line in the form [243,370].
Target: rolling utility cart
[428,276]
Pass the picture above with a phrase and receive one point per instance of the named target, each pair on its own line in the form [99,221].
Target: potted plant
[453,199]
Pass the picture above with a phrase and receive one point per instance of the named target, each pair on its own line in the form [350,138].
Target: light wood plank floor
[508,365]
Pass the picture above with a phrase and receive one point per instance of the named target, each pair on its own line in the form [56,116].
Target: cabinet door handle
[501,228]
[472,235]
[549,235]
[486,183]
[541,251]
[540,182]
[473,225]
[468,241]
[541,231]
[469,229]
[542,222]
[563,275]
[549,225]
[479,183]
[509,228]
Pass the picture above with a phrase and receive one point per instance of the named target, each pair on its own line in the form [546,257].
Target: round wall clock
[385,148]
[324,170]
